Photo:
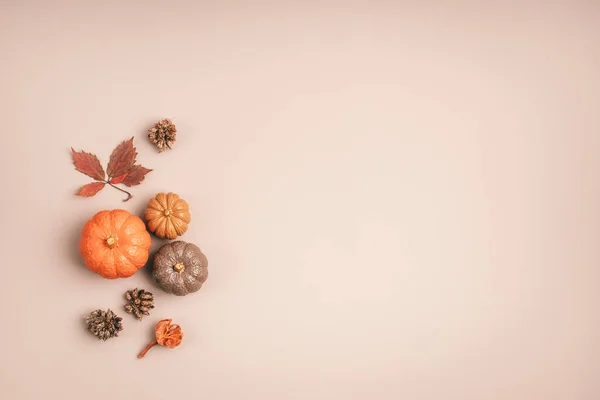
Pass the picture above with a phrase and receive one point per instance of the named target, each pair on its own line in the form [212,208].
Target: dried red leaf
[135,176]
[88,164]
[90,189]
[121,159]
[118,179]
[121,169]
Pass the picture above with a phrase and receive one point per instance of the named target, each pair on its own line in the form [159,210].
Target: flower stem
[129,196]
[150,345]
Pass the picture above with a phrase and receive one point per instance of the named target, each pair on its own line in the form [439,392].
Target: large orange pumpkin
[114,244]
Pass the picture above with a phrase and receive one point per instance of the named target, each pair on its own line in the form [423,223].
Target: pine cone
[104,324]
[140,302]
[162,134]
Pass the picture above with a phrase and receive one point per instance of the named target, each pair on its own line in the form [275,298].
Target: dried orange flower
[167,334]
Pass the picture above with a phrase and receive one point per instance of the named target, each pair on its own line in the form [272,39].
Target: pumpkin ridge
[126,255]
[179,217]
[190,281]
[123,225]
[150,205]
[159,197]
[110,270]
[191,247]
[95,263]
[118,228]
[172,199]
[153,218]
[95,223]
[179,249]
[180,204]
[168,252]
[116,253]
[162,221]
[139,240]
[180,227]
[152,214]
[172,230]
[103,219]
[133,266]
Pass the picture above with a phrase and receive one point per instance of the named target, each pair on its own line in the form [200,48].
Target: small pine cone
[163,134]
[140,302]
[104,324]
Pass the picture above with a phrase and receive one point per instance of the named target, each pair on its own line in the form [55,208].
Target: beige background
[398,200]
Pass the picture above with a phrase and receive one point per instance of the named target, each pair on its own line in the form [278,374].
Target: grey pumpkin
[180,268]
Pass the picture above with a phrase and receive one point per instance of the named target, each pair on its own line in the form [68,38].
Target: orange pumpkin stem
[112,242]
[150,345]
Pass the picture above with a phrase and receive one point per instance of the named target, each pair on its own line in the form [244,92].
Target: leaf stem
[129,196]
[150,345]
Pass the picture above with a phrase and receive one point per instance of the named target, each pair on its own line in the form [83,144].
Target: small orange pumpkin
[115,244]
[168,215]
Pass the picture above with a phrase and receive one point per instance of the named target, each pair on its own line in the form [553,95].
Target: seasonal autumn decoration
[104,324]
[121,169]
[140,302]
[168,215]
[167,334]
[162,134]
[180,268]
[114,244]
